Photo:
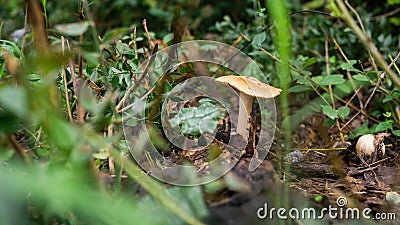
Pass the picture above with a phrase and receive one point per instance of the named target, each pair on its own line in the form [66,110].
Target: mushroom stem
[245,107]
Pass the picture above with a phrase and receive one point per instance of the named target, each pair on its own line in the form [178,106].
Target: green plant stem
[152,187]
[367,42]
[277,8]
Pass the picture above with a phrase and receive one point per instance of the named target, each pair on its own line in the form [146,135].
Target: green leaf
[299,88]
[167,38]
[383,126]
[345,87]
[361,130]
[62,134]
[258,40]
[113,34]
[198,120]
[6,154]
[332,80]
[343,112]
[360,77]
[309,62]
[208,125]
[132,122]
[14,100]
[392,2]
[88,100]
[387,114]
[349,66]
[329,111]
[318,198]
[396,132]
[73,29]
[34,77]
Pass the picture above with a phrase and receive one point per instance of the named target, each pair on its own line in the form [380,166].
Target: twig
[18,148]
[367,42]
[65,83]
[328,73]
[373,91]
[134,86]
[352,172]
[391,13]
[353,85]
[301,72]
[374,163]
[321,149]
[147,34]
[37,139]
[363,29]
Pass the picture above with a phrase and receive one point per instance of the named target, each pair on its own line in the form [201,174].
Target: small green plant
[198,120]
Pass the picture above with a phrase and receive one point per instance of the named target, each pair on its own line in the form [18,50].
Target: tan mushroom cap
[250,86]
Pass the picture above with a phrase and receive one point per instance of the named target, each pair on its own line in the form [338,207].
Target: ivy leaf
[329,111]
[332,80]
[198,120]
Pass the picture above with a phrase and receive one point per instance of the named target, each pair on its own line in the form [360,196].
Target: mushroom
[248,88]
[371,147]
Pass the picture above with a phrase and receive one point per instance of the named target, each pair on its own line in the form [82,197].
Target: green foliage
[198,120]
[60,183]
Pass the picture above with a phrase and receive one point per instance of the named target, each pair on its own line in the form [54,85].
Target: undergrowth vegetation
[66,69]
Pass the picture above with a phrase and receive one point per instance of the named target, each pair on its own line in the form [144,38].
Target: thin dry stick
[76,84]
[367,42]
[380,88]
[363,29]
[352,173]
[373,92]
[300,72]
[141,99]
[72,71]
[395,66]
[320,149]
[391,13]
[65,83]
[110,132]
[147,34]
[18,148]
[134,43]
[25,25]
[39,134]
[328,73]
[353,85]
[133,87]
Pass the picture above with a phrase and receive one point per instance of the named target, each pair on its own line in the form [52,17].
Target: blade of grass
[152,187]
[279,12]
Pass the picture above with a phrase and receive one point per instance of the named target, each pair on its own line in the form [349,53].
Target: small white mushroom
[248,88]
[371,148]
